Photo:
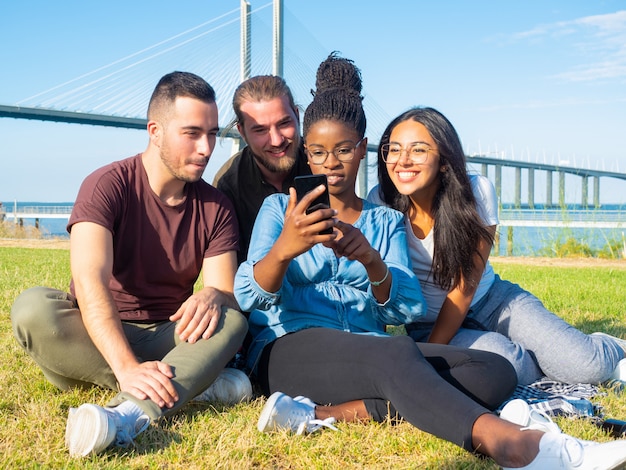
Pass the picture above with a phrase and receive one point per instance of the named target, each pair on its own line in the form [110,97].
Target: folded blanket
[560,399]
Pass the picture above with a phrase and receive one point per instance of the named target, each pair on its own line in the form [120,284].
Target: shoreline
[50,243]
[64,244]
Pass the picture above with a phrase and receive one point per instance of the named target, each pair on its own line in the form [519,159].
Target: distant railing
[594,218]
[46,209]
[37,212]
[555,218]
[508,217]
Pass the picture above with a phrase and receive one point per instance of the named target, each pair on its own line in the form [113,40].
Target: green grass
[33,413]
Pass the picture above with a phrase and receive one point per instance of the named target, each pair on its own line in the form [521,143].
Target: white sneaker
[91,428]
[519,412]
[295,414]
[619,373]
[560,451]
[231,386]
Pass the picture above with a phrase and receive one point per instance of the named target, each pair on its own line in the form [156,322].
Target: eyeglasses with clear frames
[344,153]
[417,152]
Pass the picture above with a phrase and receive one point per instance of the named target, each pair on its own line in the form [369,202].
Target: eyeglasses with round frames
[417,152]
[343,153]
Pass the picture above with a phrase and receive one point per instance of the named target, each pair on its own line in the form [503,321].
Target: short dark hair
[176,84]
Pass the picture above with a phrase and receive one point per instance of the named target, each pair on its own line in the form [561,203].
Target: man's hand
[149,380]
[199,315]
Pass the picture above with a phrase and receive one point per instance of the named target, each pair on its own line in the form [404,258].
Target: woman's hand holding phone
[306,185]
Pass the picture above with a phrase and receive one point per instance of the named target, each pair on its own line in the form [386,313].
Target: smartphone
[307,183]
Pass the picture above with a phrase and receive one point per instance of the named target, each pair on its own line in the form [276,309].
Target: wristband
[378,283]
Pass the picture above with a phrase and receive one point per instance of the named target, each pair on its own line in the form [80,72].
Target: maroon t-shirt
[158,249]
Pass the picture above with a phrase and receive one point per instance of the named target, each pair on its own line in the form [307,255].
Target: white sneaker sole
[267,414]
[89,430]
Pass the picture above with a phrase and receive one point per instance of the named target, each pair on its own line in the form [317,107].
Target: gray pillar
[518,187]
[548,188]
[362,189]
[584,191]
[509,241]
[485,169]
[244,41]
[499,184]
[531,188]
[596,192]
[278,38]
[561,189]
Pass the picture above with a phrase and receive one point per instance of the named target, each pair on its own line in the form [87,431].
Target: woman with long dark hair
[451,218]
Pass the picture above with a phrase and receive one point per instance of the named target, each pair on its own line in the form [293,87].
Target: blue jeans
[514,323]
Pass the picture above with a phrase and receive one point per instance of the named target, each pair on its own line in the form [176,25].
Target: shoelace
[125,434]
[572,452]
[313,425]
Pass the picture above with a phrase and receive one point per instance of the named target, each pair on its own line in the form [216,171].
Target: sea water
[50,228]
[527,241]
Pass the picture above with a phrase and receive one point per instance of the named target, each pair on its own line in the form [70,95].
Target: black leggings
[439,389]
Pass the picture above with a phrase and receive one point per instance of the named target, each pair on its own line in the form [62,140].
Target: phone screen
[305,184]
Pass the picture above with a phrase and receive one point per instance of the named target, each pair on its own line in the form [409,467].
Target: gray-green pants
[48,325]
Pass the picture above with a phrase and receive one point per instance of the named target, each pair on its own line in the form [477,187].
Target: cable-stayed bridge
[117,94]
[224,50]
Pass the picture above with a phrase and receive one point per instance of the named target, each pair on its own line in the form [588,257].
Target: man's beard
[175,170]
[281,165]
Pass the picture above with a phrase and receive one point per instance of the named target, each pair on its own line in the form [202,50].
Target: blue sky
[532,80]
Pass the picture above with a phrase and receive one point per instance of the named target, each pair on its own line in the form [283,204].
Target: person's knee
[491,360]
[502,378]
[32,312]
[27,309]
[235,323]
[400,349]
[500,367]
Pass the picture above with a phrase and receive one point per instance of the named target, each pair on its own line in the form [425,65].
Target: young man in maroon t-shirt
[141,231]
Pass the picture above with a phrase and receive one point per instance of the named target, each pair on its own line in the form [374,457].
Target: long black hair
[458,228]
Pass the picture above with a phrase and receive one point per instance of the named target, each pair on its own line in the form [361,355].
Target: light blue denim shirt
[321,290]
